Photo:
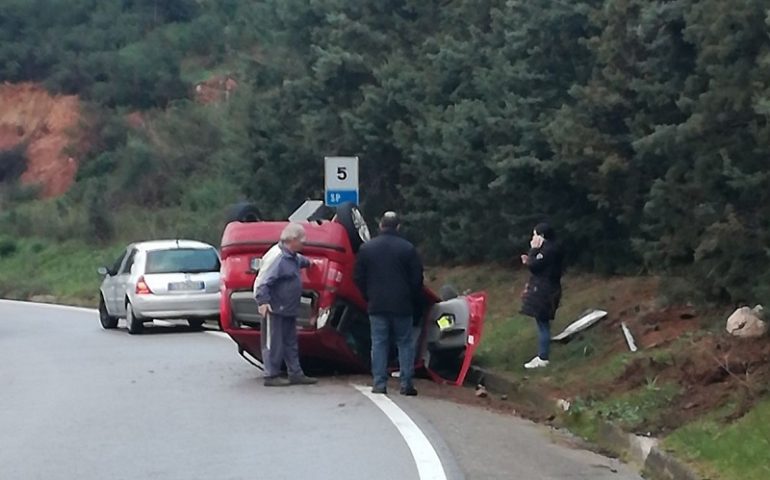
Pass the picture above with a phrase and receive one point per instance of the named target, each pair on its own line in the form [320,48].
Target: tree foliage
[639,128]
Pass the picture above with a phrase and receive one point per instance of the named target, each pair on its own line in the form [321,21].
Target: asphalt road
[78,402]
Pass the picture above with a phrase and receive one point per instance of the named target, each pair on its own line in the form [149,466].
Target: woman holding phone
[542,294]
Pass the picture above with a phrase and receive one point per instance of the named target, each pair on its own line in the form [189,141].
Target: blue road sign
[341,176]
[337,197]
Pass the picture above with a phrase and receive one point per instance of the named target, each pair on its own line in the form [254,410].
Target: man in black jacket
[389,274]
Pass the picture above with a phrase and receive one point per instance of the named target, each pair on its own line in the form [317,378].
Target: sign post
[341,180]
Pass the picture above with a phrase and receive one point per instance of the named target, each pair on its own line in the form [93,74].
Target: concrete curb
[662,466]
[644,452]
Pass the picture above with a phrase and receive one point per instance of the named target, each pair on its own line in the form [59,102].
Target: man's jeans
[401,329]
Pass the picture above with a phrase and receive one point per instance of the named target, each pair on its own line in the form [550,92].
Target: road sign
[336,197]
[341,180]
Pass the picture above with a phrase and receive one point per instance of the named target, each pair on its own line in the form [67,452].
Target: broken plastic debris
[481,391]
[629,338]
[586,320]
[563,404]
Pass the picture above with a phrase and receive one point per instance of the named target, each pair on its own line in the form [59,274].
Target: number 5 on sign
[341,175]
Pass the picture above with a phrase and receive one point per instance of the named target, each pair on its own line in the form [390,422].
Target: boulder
[746,322]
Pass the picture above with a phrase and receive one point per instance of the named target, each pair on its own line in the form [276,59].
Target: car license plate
[185,286]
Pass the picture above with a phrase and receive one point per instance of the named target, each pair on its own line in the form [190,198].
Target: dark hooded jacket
[543,291]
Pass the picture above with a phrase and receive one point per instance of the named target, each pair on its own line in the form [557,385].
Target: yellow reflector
[445,322]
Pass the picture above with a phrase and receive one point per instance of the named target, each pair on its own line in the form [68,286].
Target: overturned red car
[333,327]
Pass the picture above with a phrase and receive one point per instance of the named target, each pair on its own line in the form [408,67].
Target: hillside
[621,122]
[639,128]
[42,127]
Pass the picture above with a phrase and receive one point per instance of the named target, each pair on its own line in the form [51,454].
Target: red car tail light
[142,288]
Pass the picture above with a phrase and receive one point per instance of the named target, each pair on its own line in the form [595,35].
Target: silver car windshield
[182,260]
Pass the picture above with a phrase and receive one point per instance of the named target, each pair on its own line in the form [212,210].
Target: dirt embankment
[215,90]
[43,124]
[712,369]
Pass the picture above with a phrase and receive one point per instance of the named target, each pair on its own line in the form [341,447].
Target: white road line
[429,465]
[221,334]
[50,305]
[164,323]
[218,334]
[54,306]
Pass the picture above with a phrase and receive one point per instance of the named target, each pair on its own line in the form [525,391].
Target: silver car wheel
[108,322]
[134,324]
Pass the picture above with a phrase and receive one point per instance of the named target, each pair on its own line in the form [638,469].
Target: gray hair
[389,221]
[293,231]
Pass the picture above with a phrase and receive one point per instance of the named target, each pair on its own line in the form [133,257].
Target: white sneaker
[536,363]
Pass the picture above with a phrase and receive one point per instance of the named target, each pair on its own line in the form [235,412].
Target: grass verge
[739,451]
[65,271]
[677,378]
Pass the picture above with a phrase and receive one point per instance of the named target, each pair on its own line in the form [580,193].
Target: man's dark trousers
[279,345]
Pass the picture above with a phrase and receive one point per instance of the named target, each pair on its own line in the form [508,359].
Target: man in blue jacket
[389,274]
[279,296]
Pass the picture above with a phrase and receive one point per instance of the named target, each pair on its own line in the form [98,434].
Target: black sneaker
[380,390]
[303,380]
[276,382]
[409,391]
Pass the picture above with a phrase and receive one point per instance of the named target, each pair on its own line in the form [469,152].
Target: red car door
[453,332]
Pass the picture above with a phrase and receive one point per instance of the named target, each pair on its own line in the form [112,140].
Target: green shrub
[7,247]
[13,162]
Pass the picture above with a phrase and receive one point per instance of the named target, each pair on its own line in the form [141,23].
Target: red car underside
[333,328]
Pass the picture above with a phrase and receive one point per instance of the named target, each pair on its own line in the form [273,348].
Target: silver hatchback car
[164,279]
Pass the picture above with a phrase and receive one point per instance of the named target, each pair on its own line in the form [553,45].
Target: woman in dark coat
[543,291]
